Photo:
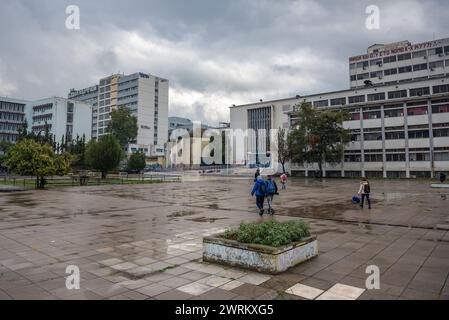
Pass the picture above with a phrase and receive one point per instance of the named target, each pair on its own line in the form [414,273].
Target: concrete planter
[258,257]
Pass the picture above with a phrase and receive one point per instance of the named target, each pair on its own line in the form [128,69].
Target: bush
[270,233]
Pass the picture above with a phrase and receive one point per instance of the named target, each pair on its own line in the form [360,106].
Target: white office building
[12,116]
[399,121]
[65,118]
[144,94]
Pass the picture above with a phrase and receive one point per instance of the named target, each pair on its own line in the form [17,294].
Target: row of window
[400,135]
[401,57]
[10,106]
[10,127]
[8,137]
[11,116]
[397,157]
[415,92]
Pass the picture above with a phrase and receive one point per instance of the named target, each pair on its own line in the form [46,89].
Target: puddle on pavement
[204,219]
[182,213]
[326,210]
[20,200]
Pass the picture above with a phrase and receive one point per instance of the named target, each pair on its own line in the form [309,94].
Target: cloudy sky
[215,53]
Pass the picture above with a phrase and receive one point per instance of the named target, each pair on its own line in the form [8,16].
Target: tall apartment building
[399,123]
[147,98]
[88,95]
[65,118]
[12,116]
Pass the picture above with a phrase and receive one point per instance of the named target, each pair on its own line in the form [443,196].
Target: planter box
[258,257]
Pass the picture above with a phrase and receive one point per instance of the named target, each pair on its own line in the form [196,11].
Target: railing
[76,180]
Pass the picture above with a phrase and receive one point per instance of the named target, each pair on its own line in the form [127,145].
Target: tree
[318,136]
[104,154]
[30,158]
[283,148]
[136,161]
[123,125]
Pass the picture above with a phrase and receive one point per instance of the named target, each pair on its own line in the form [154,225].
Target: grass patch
[271,233]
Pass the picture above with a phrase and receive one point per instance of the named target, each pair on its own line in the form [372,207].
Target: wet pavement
[145,241]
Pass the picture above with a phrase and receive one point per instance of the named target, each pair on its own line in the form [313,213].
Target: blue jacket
[257,188]
[272,186]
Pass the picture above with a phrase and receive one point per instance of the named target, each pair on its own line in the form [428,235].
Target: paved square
[145,241]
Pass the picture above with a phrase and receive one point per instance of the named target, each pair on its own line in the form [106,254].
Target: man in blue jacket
[260,188]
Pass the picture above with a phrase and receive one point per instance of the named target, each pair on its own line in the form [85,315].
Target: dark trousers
[367,199]
[259,201]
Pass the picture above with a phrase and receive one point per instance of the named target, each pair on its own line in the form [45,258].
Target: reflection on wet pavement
[141,241]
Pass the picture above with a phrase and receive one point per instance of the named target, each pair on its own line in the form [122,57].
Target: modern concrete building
[147,98]
[65,118]
[399,128]
[12,116]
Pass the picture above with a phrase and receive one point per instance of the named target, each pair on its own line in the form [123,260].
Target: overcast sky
[215,53]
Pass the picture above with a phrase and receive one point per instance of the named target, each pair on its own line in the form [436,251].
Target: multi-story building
[90,96]
[400,128]
[147,98]
[400,62]
[12,116]
[64,118]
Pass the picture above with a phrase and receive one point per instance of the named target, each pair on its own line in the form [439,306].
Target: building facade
[147,98]
[400,128]
[64,118]
[12,116]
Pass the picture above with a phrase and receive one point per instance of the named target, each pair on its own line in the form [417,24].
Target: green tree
[104,154]
[318,136]
[123,125]
[283,148]
[136,161]
[30,158]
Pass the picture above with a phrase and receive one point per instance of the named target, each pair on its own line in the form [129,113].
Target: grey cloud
[215,53]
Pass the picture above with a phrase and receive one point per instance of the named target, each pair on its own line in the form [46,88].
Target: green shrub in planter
[270,233]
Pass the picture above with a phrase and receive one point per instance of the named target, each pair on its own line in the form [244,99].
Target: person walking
[283,181]
[260,190]
[257,174]
[272,190]
[364,191]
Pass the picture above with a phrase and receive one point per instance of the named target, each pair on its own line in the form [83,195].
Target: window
[352,66]
[417,111]
[435,51]
[338,101]
[362,76]
[419,92]
[397,94]
[405,69]
[441,156]
[436,64]
[363,64]
[441,132]
[373,158]
[394,135]
[353,78]
[441,89]
[419,54]
[405,56]
[321,103]
[357,99]
[418,134]
[447,62]
[440,109]
[389,72]
[373,136]
[394,157]
[375,62]
[376,96]
[390,59]
[355,116]
[418,67]
[353,158]
[419,157]
[376,74]
[446,50]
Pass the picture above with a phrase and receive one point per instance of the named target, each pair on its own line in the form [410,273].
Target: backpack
[366,188]
[263,187]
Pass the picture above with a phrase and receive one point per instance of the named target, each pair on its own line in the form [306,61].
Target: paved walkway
[145,242]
